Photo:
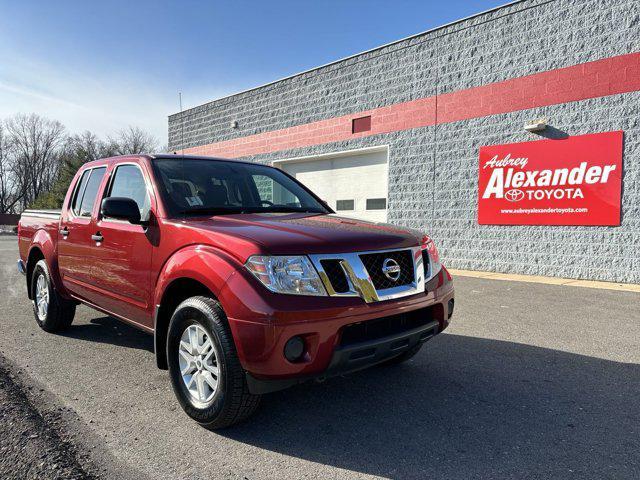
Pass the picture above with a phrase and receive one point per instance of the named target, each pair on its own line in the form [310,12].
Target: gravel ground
[31,447]
[44,439]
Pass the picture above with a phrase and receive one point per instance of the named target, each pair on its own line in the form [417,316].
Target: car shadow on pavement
[464,408]
[110,330]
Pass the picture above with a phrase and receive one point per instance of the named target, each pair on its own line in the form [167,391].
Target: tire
[213,391]
[403,357]
[53,313]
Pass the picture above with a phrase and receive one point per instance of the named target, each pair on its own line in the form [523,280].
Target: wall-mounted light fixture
[536,125]
[234,124]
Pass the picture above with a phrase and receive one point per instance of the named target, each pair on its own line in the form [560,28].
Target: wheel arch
[193,270]
[176,292]
[43,248]
[35,255]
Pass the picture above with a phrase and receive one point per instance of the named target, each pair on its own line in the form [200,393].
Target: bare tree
[87,146]
[8,189]
[132,140]
[36,143]
[38,160]
[77,150]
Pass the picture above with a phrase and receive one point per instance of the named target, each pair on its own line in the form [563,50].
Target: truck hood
[303,233]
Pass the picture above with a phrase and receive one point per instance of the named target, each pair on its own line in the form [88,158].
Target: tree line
[38,158]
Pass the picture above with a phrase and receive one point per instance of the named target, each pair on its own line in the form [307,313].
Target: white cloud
[102,104]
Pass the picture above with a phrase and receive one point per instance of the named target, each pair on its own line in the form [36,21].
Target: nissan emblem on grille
[391,269]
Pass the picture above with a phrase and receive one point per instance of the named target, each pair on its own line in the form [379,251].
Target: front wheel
[52,312]
[206,374]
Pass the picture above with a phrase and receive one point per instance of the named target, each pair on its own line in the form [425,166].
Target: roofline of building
[410,37]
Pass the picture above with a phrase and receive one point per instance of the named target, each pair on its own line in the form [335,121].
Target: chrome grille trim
[360,284]
[427,265]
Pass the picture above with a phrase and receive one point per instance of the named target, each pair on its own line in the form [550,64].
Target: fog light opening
[450,308]
[294,349]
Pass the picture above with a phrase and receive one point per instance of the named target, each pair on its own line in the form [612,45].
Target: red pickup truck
[247,280]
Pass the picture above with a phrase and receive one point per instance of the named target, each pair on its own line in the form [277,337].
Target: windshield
[216,187]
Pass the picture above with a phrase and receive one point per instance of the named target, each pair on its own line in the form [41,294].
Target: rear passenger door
[75,245]
[122,262]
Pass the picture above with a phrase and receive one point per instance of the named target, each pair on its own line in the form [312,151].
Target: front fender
[205,264]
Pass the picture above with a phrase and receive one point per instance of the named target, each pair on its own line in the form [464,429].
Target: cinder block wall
[433,170]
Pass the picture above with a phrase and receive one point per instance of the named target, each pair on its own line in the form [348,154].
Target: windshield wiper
[240,210]
[211,211]
[285,209]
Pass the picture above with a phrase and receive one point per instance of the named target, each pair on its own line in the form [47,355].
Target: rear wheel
[52,312]
[206,374]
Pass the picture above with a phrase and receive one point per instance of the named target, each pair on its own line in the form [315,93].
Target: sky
[102,66]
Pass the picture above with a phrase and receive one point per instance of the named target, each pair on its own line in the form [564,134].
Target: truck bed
[32,221]
[48,213]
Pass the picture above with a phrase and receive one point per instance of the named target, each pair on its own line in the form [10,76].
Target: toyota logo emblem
[391,269]
[514,195]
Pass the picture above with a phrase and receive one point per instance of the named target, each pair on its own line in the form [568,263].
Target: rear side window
[128,182]
[77,195]
[91,191]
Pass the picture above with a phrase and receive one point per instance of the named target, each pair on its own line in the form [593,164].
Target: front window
[213,187]
[128,182]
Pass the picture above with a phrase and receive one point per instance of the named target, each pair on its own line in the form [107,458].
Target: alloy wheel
[42,297]
[199,366]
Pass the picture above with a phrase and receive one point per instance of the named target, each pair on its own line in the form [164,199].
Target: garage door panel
[346,180]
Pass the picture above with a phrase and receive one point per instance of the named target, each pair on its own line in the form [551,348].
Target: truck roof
[158,156]
[194,157]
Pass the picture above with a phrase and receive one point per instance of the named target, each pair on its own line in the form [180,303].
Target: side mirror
[121,208]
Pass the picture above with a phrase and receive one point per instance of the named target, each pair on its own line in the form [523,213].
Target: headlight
[429,246]
[286,274]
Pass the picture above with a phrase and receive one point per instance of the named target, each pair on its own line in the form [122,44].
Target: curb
[569,282]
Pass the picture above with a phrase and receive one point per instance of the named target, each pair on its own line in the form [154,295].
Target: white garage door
[354,184]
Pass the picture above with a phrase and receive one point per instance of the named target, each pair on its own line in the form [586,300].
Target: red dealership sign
[574,181]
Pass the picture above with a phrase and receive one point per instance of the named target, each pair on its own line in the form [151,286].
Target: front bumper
[22,268]
[351,358]
[262,323]
[347,359]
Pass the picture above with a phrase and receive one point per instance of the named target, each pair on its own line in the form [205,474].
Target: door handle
[64,231]
[97,237]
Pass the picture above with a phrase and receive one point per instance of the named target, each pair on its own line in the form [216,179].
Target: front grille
[373,262]
[336,275]
[385,326]
[372,276]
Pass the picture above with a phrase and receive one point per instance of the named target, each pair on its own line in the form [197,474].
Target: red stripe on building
[600,78]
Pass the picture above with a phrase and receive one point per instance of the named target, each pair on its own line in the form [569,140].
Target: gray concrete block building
[393,134]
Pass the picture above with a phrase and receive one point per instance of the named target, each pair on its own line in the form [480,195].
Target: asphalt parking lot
[531,381]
